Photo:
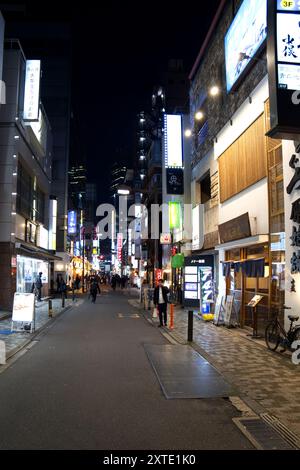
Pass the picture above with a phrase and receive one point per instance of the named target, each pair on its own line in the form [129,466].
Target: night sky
[120,51]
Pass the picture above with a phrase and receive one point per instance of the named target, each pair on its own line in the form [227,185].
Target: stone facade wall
[7,276]
[211,71]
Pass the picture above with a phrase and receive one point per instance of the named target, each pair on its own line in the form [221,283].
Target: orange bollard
[171,317]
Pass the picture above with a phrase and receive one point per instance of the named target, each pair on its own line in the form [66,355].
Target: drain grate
[262,434]
[286,433]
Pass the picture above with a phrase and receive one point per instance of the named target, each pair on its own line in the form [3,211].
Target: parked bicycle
[276,335]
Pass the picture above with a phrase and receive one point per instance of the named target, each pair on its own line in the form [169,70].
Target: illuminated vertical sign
[129,242]
[119,246]
[138,237]
[32,90]
[288,50]
[198,227]
[284,68]
[52,222]
[173,140]
[175,218]
[72,222]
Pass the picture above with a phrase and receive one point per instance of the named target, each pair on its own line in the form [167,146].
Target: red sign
[119,246]
[158,275]
[174,250]
[165,239]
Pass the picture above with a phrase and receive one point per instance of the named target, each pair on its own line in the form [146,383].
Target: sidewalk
[16,341]
[268,382]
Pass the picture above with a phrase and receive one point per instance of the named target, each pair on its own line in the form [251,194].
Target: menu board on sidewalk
[23,308]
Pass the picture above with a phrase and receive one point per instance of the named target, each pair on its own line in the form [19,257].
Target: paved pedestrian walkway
[16,340]
[268,381]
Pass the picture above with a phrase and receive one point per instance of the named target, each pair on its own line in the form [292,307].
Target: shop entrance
[244,285]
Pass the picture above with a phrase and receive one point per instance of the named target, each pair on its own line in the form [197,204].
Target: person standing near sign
[38,285]
[161,302]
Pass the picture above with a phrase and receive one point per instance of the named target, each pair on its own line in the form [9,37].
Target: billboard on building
[32,90]
[244,39]
[173,140]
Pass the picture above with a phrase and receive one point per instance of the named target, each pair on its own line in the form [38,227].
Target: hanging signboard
[158,275]
[32,90]
[284,68]
[119,246]
[72,222]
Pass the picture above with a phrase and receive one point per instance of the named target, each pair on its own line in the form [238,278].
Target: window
[30,198]
[205,188]
[24,192]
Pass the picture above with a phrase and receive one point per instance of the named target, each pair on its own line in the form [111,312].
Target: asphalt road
[87,384]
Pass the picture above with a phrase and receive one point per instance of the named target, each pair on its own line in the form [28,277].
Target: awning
[26,249]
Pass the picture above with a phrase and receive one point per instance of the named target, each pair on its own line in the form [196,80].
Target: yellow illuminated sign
[287,3]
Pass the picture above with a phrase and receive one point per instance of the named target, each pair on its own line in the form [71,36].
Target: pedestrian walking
[161,302]
[94,289]
[38,286]
[113,282]
[77,282]
[58,283]
[63,288]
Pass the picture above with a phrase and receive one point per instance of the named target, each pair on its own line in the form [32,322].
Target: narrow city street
[87,384]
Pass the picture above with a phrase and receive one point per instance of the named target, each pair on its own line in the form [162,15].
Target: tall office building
[50,42]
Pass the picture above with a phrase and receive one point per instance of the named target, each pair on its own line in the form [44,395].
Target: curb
[17,349]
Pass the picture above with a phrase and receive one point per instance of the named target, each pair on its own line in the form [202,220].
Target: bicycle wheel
[296,335]
[272,336]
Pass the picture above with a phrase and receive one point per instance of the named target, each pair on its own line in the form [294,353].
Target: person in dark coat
[38,285]
[77,282]
[161,302]
[94,289]
[113,282]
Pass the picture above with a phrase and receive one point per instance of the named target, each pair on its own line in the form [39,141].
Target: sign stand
[253,305]
[219,311]
[229,309]
[23,315]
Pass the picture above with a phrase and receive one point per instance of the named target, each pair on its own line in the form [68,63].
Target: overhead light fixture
[123,192]
[214,91]
[188,133]
[199,115]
